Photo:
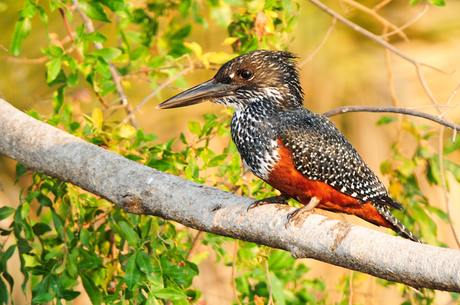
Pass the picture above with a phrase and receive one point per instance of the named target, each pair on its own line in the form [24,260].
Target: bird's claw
[272,200]
[309,208]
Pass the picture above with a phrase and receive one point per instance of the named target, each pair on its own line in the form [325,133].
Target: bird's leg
[272,200]
[310,206]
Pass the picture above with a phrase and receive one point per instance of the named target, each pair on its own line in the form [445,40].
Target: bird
[300,153]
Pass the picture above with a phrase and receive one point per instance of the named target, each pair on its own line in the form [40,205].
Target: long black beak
[204,92]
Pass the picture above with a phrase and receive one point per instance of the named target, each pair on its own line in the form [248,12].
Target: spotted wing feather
[322,153]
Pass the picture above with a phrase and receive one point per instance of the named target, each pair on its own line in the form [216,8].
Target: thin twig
[39,60]
[381,4]
[323,41]
[195,244]
[350,294]
[154,92]
[69,32]
[113,70]
[391,78]
[235,253]
[270,294]
[443,184]
[198,66]
[448,101]
[411,22]
[345,109]
[377,17]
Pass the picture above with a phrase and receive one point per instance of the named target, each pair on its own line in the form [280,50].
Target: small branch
[450,108]
[350,284]
[323,41]
[444,186]
[195,244]
[376,16]
[69,32]
[39,60]
[267,274]
[143,71]
[411,22]
[394,97]
[381,4]
[345,109]
[154,92]
[235,253]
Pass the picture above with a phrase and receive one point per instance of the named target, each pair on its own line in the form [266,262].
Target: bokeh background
[349,69]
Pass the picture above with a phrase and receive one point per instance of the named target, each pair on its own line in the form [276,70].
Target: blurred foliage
[66,236]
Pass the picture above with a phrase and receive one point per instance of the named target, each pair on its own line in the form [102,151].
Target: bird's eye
[246,74]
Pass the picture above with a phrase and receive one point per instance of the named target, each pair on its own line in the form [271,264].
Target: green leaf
[107,53]
[85,238]
[144,263]
[217,160]
[169,294]
[73,79]
[194,127]
[453,168]
[54,67]
[125,131]
[20,170]
[5,256]
[277,289]
[3,292]
[70,295]
[95,36]
[44,18]
[94,10]
[440,3]
[131,235]
[134,157]
[450,146]
[29,10]
[440,213]
[44,200]
[31,197]
[23,245]
[386,119]
[59,224]
[91,289]
[114,5]
[6,212]
[41,228]
[90,262]
[133,273]
[56,51]
[38,270]
[21,31]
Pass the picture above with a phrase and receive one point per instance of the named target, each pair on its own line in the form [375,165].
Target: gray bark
[142,190]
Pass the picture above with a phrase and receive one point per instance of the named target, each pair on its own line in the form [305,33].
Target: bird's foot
[310,207]
[271,200]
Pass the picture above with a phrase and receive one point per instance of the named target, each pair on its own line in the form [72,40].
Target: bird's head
[267,76]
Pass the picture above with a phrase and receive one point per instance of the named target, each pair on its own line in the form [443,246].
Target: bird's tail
[398,227]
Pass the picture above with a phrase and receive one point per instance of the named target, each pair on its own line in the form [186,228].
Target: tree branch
[139,189]
[345,109]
